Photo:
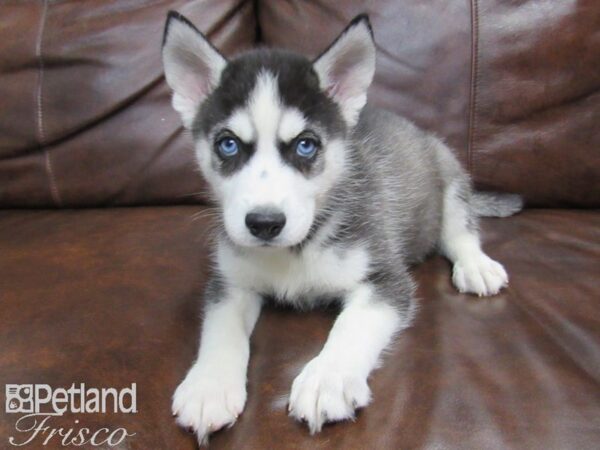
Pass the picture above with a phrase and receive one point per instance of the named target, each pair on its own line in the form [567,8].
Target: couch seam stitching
[474,84]
[40,112]
[257,28]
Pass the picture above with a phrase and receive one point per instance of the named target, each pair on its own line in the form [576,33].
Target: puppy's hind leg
[473,271]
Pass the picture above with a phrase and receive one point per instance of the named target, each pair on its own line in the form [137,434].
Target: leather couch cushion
[112,297]
[513,87]
[536,105]
[86,115]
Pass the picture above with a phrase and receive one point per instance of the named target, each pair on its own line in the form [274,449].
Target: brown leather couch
[104,227]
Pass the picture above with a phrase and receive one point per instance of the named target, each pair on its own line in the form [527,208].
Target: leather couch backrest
[85,116]
[513,87]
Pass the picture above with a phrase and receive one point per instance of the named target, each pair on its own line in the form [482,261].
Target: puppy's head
[269,126]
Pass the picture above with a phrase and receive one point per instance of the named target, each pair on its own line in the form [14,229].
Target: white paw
[479,274]
[324,393]
[206,403]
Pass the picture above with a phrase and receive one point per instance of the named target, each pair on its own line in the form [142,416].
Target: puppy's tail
[494,204]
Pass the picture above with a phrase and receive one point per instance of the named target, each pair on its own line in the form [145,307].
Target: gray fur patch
[493,204]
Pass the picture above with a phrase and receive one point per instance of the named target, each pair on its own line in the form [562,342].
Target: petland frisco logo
[40,403]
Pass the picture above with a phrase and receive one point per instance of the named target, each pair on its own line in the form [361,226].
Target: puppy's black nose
[265,224]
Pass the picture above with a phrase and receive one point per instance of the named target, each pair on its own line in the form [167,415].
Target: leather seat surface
[113,296]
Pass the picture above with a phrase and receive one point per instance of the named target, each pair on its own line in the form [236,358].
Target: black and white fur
[379,195]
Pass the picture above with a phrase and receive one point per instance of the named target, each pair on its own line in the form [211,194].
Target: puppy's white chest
[289,275]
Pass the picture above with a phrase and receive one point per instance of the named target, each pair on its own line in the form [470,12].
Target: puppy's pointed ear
[192,65]
[346,68]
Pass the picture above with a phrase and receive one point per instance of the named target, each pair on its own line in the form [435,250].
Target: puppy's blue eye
[306,147]
[228,146]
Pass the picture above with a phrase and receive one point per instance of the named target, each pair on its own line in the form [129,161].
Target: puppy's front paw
[479,275]
[206,403]
[326,393]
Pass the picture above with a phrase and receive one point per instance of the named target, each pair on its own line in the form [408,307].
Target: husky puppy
[321,198]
